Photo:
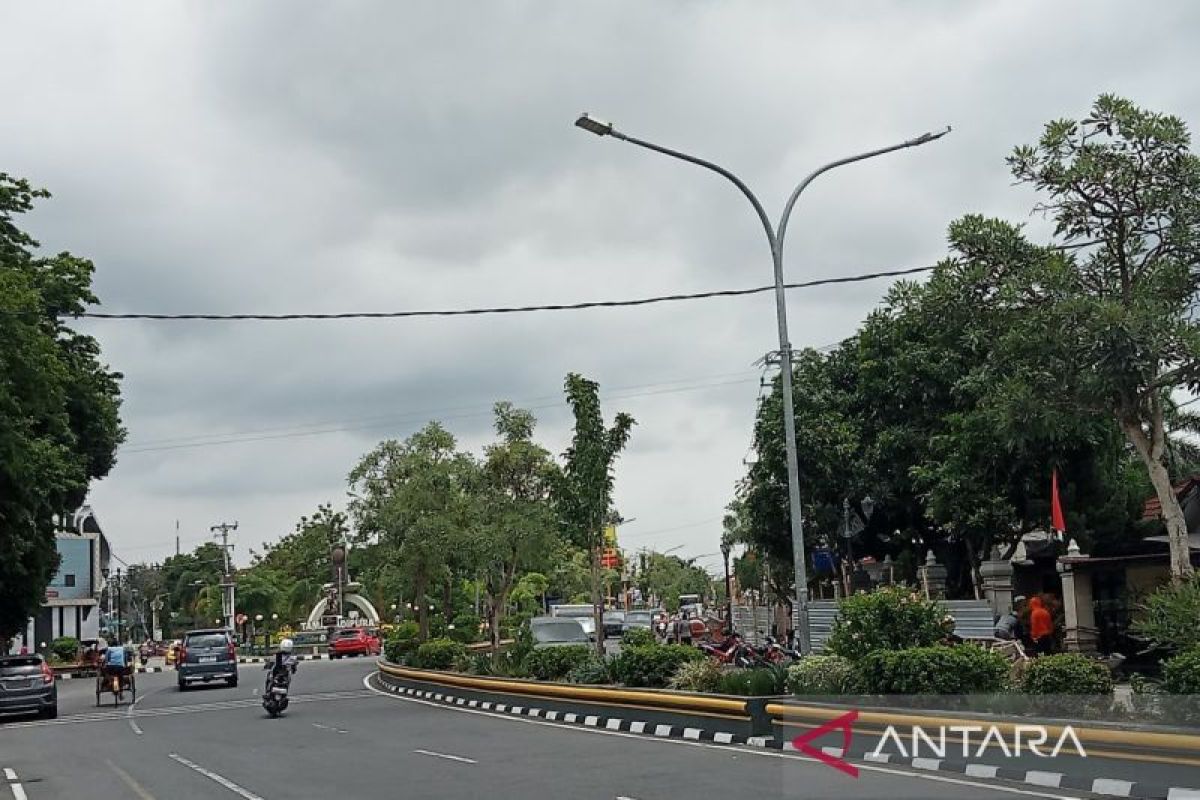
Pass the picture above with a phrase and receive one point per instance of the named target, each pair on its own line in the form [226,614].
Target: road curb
[265,659]
[594,721]
[67,676]
[1043,779]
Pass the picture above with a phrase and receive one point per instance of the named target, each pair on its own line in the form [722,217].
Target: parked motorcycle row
[735,651]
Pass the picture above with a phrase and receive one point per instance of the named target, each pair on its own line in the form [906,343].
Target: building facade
[72,603]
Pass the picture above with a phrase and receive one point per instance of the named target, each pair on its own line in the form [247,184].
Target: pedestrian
[1041,627]
[1009,627]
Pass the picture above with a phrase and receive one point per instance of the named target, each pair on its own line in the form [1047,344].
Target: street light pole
[775,237]
[725,548]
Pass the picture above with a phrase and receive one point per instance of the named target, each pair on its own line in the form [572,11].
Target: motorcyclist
[283,662]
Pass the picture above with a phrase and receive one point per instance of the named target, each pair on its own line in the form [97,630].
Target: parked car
[581,613]
[557,632]
[613,622]
[27,686]
[353,642]
[638,619]
[207,656]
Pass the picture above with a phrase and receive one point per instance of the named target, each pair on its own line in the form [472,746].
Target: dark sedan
[614,622]
[27,686]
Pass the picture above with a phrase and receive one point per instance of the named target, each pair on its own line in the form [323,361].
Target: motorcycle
[733,651]
[776,653]
[279,681]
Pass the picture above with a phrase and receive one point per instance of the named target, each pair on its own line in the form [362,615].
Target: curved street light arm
[734,179]
[791,203]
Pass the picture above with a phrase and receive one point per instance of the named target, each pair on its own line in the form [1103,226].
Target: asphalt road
[340,739]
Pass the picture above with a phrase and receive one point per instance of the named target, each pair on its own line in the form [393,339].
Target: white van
[584,613]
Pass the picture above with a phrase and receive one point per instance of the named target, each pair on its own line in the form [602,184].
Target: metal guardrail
[973,619]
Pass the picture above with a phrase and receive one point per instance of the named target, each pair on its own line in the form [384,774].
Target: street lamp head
[925,138]
[258,617]
[592,125]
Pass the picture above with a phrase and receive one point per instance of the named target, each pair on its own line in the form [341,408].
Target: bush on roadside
[593,670]
[401,642]
[1168,617]
[652,664]
[822,675]
[757,682]
[698,676]
[465,630]
[554,663]
[890,618]
[962,669]
[1181,674]
[1066,673]
[638,637]
[65,648]
[439,654]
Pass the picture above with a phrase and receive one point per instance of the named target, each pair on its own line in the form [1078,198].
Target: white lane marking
[1183,794]
[228,784]
[446,756]
[329,728]
[764,753]
[18,792]
[9,774]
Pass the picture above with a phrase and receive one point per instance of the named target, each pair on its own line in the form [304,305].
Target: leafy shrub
[554,663]
[698,676]
[1181,674]
[963,669]
[65,648]
[638,637]
[402,642]
[593,670]
[890,618]
[756,682]
[822,675]
[1066,673]
[1167,618]
[465,630]
[439,654]
[652,664]
[480,664]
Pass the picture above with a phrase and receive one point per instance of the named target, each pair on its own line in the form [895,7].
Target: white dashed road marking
[446,756]
[228,784]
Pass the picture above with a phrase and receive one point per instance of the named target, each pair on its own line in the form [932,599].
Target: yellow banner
[610,536]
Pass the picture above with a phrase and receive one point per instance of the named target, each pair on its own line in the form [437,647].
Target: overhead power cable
[463,312]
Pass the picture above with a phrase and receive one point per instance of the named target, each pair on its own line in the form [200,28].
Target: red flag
[1057,521]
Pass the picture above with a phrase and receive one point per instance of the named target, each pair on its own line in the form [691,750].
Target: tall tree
[416,497]
[584,492]
[59,423]
[1123,189]
[517,524]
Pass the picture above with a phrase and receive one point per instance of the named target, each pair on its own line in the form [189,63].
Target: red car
[354,642]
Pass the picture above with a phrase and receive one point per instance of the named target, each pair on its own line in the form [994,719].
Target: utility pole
[228,611]
[118,605]
[176,537]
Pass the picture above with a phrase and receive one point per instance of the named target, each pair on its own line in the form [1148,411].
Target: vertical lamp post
[775,237]
[725,548]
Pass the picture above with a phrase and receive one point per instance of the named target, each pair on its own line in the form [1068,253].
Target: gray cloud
[283,156]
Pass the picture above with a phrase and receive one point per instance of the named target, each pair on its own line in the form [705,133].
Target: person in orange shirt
[1041,626]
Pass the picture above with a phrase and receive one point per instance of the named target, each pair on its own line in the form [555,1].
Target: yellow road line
[137,788]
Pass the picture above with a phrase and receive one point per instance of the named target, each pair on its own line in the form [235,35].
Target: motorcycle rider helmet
[286,646]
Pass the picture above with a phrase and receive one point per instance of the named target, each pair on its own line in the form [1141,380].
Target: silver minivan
[206,656]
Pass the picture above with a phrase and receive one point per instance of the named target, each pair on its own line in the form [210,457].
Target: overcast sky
[372,156]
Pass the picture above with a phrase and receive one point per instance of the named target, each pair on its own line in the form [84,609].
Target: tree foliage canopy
[59,404]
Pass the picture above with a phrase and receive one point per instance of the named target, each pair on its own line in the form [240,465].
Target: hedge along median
[742,716]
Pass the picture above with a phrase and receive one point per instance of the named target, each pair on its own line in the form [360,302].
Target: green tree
[517,524]
[668,576]
[417,498]
[59,422]
[584,492]
[1123,189]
